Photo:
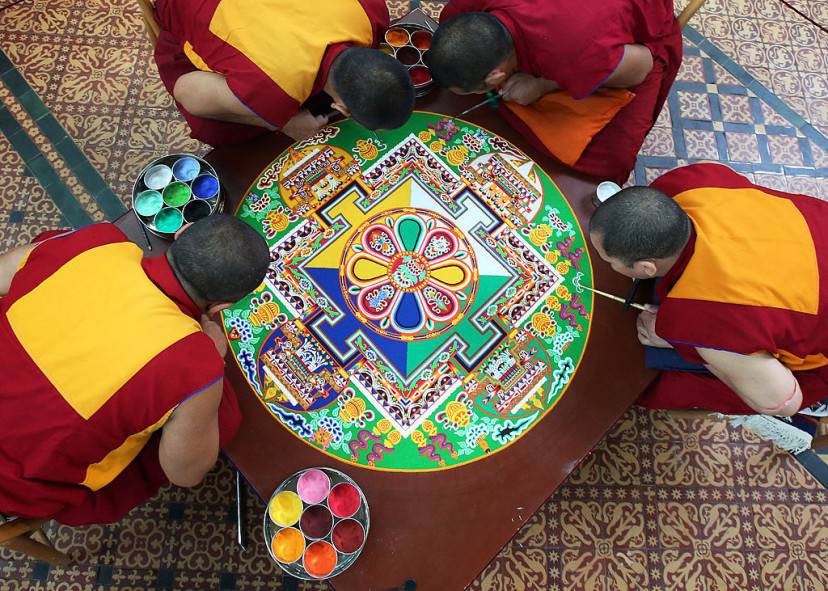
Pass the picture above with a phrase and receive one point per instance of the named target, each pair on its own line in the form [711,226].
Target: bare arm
[190,439]
[633,68]
[206,94]
[525,89]
[760,380]
[9,263]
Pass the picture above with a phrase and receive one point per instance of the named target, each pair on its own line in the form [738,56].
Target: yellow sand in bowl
[288,545]
[285,508]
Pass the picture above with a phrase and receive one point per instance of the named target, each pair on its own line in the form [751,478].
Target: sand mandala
[423,306]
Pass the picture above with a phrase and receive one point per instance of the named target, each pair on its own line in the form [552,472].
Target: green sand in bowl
[168,220]
[176,194]
[148,203]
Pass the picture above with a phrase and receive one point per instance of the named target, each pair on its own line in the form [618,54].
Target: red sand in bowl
[316,521]
[421,39]
[344,500]
[420,75]
[348,536]
[320,559]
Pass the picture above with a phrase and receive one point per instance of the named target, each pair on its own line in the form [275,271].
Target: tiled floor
[663,503]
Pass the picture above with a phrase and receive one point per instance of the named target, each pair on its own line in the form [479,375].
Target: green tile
[5,63]
[51,128]
[17,85]
[33,105]
[8,124]
[43,171]
[110,205]
[70,152]
[68,205]
[89,177]
[23,144]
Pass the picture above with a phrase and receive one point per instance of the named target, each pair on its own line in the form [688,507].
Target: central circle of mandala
[409,274]
[408,271]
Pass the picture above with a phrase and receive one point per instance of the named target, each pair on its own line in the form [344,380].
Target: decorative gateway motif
[423,308]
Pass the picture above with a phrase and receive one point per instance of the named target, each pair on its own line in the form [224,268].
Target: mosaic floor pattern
[664,502]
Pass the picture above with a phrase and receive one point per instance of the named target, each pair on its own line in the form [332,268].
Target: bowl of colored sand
[285,508]
[288,545]
[177,194]
[408,56]
[397,37]
[169,220]
[183,182]
[205,186]
[421,40]
[320,559]
[348,536]
[316,523]
[157,177]
[186,168]
[313,486]
[148,203]
[419,75]
[196,210]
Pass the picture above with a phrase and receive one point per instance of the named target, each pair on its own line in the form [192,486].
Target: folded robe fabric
[565,126]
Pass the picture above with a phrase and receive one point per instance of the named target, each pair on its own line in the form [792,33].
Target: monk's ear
[341,108]
[645,269]
[214,309]
[496,78]
[181,229]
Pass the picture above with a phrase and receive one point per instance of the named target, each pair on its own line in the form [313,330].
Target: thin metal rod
[146,235]
[239,520]
[613,297]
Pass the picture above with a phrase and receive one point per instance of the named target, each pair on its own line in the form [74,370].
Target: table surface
[442,528]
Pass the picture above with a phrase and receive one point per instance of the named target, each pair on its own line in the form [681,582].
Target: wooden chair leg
[148,14]
[40,536]
[692,8]
[38,550]
[820,442]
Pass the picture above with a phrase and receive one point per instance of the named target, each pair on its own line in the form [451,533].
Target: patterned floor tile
[515,569]
[776,45]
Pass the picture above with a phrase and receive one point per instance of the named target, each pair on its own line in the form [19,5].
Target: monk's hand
[303,125]
[212,329]
[645,325]
[523,89]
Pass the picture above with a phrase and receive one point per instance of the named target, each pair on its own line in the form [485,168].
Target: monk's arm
[633,68]
[760,380]
[525,89]
[9,263]
[190,438]
[206,94]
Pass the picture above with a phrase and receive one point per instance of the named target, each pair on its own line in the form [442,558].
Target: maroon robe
[579,44]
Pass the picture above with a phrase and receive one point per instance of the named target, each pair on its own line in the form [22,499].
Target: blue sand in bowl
[205,186]
[186,169]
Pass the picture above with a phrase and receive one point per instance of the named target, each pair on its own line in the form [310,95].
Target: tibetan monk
[528,49]
[238,69]
[112,369]
[743,288]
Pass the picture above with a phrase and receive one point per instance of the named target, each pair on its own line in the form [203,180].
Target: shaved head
[466,48]
[639,223]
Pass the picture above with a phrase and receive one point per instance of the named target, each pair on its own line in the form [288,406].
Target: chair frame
[27,536]
[148,14]
[692,8]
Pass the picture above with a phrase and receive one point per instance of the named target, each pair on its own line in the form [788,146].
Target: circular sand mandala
[423,306]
